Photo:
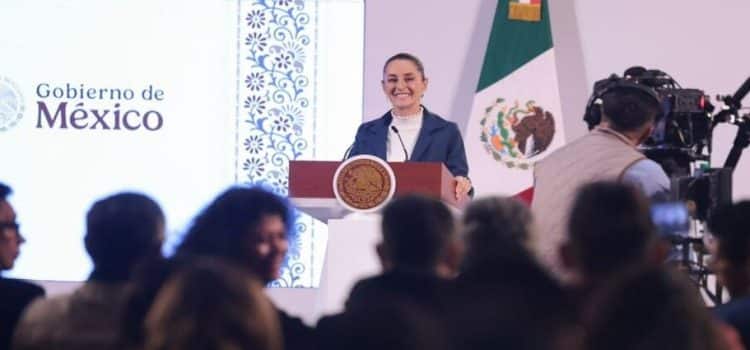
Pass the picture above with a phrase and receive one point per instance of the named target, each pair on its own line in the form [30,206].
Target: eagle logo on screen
[364,183]
[11,104]
[516,134]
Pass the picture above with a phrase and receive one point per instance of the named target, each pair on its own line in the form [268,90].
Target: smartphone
[671,218]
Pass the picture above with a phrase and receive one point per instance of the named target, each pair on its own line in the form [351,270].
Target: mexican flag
[516,115]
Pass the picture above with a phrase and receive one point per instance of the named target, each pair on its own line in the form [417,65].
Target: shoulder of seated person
[739,307]
[46,309]
[25,286]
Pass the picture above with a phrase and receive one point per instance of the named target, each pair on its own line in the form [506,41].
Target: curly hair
[224,227]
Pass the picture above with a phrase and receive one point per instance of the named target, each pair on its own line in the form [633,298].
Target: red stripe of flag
[526,195]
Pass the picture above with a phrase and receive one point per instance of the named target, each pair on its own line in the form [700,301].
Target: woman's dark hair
[223,228]
[220,230]
[5,190]
[408,57]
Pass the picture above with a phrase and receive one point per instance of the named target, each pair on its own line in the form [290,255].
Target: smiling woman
[409,132]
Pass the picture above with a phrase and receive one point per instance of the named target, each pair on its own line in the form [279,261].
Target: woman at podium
[408,131]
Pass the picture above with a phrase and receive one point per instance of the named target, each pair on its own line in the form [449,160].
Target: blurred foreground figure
[418,252]
[503,299]
[651,309]
[122,231]
[248,228]
[609,231]
[15,295]
[731,227]
[212,305]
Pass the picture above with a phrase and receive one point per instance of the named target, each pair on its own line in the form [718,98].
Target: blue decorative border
[273,87]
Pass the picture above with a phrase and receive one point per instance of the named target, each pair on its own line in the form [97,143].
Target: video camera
[682,132]
[681,144]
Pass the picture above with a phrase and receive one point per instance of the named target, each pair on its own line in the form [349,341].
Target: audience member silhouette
[610,229]
[650,308]
[419,249]
[390,322]
[212,305]
[147,282]
[122,231]
[15,295]
[247,227]
[730,225]
[482,289]
[503,298]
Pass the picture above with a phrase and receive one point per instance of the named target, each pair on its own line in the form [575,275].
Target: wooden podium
[350,253]
[311,185]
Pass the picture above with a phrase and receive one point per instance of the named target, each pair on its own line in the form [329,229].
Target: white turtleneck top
[409,127]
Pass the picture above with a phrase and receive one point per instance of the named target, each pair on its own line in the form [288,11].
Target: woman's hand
[463,186]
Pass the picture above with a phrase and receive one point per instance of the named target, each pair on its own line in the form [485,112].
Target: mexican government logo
[364,183]
[11,104]
[515,135]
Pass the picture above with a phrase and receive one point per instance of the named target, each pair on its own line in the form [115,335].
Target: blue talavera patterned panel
[275,112]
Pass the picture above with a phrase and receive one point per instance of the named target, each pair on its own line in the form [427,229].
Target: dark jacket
[439,141]
[737,314]
[296,334]
[507,303]
[15,296]
[424,289]
[396,310]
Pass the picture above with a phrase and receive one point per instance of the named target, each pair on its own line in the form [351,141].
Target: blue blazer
[439,141]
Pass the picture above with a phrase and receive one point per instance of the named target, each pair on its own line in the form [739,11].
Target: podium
[311,185]
[350,254]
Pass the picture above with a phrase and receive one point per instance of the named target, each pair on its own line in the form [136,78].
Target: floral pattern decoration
[275,93]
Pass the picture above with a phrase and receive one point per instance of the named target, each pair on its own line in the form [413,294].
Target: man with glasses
[15,295]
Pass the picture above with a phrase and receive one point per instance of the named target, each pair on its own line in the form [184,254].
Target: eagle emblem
[364,183]
[515,134]
[11,104]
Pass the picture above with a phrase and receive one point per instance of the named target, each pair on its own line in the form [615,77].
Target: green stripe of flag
[513,43]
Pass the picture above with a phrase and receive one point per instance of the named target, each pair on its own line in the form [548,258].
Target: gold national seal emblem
[364,183]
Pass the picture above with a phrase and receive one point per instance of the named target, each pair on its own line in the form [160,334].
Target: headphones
[593,113]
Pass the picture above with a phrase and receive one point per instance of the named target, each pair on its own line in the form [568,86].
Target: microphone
[406,154]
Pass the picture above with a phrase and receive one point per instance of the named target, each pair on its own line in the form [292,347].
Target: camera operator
[608,152]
